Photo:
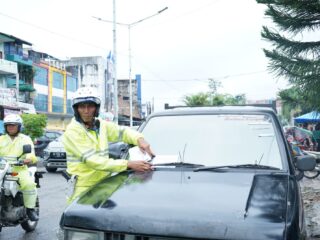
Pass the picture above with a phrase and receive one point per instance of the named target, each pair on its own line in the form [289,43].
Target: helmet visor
[94,100]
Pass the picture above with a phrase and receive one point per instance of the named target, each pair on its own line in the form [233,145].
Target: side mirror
[26,148]
[306,163]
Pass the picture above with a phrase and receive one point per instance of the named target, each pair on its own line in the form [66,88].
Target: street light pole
[115,79]
[129,50]
[130,80]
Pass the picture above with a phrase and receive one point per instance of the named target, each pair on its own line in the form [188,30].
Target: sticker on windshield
[251,118]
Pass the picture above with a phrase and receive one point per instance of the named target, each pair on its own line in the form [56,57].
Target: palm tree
[200,99]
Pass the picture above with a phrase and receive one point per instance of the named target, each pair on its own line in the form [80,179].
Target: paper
[163,159]
[136,154]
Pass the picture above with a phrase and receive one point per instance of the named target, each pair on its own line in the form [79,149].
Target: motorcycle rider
[11,147]
[86,143]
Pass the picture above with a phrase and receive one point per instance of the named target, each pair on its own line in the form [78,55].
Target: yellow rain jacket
[87,152]
[9,151]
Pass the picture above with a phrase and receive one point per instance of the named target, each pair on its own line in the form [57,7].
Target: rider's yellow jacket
[11,149]
[87,150]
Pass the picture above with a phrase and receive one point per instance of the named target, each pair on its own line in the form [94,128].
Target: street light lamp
[129,25]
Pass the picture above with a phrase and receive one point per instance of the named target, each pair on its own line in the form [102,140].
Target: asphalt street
[310,189]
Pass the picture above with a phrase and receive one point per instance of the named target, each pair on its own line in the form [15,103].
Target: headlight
[77,234]
[46,154]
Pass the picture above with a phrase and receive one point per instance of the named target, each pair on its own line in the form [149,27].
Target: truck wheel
[28,225]
[51,169]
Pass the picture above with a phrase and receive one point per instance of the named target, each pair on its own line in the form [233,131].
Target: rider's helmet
[13,119]
[85,95]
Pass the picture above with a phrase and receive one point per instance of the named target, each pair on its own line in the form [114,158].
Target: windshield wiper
[254,166]
[179,164]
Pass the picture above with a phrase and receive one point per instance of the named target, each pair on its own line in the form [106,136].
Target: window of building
[57,104]
[69,106]
[71,84]
[41,76]
[57,80]
[41,103]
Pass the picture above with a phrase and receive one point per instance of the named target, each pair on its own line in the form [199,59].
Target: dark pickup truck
[219,173]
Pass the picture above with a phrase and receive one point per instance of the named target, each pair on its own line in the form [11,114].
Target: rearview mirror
[26,148]
[306,163]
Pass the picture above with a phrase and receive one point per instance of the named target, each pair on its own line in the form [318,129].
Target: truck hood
[187,204]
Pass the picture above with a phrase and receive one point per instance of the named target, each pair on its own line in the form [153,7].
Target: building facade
[92,72]
[55,88]
[16,76]
[124,101]
[32,81]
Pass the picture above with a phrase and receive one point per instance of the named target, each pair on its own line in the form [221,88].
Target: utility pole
[128,25]
[115,79]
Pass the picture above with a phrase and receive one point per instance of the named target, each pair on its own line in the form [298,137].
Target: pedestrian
[11,147]
[316,136]
[86,143]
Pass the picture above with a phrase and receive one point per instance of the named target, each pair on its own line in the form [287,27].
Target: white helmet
[86,95]
[13,119]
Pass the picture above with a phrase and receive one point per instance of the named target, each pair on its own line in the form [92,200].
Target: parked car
[54,155]
[220,173]
[42,142]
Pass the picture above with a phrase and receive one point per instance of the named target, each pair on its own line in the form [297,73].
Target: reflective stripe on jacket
[11,149]
[87,151]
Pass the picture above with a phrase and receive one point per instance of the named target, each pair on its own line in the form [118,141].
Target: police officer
[11,147]
[86,143]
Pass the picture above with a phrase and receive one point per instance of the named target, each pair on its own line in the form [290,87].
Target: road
[310,189]
[52,203]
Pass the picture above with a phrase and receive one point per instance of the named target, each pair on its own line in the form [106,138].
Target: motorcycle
[12,209]
[316,172]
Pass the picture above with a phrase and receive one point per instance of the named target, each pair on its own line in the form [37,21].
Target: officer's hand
[27,161]
[140,166]
[145,147]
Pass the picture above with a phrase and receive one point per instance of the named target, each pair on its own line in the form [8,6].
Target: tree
[206,99]
[200,99]
[34,124]
[239,99]
[291,102]
[292,58]
[214,85]
[213,98]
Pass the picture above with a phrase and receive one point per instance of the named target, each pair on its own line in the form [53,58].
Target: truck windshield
[215,140]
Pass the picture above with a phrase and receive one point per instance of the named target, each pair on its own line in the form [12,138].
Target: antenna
[184,150]
[260,159]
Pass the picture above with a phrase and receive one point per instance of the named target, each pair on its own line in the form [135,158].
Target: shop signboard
[8,97]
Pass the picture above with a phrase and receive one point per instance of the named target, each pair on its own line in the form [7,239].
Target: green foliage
[34,124]
[213,98]
[206,99]
[200,99]
[235,100]
[217,100]
[294,101]
[291,57]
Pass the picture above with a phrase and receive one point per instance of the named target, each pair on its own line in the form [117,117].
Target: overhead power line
[205,80]
[53,32]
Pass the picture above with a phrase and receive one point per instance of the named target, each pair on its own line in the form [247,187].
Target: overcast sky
[176,52]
